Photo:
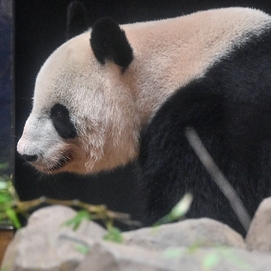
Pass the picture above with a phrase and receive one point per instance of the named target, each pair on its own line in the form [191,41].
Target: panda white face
[75,124]
[45,142]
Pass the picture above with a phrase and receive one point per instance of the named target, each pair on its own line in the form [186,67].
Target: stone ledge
[194,244]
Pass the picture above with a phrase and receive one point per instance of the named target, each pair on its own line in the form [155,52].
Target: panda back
[230,109]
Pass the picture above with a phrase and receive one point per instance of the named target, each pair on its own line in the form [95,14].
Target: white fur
[109,108]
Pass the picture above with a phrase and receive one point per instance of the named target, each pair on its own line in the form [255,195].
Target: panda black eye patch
[61,120]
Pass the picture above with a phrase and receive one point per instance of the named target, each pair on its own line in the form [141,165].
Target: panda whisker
[64,159]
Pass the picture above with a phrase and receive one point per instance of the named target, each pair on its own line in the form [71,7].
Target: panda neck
[150,94]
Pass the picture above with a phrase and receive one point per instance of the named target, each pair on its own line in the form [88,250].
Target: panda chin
[63,161]
[56,166]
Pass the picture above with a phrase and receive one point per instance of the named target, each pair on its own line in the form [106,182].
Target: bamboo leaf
[77,220]
[82,249]
[11,214]
[113,235]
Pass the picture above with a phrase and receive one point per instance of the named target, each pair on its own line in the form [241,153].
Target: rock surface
[196,244]
[259,234]
[46,244]
[203,232]
[105,256]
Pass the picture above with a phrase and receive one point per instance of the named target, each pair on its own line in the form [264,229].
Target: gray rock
[202,232]
[106,256]
[46,244]
[259,234]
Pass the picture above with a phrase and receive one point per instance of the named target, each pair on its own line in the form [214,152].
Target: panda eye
[59,114]
[61,120]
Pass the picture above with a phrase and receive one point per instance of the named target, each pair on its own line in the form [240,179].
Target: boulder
[259,234]
[203,232]
[46,244]
[107,256]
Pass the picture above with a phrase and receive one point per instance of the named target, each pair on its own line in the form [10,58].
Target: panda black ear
[77,19]
[108,41]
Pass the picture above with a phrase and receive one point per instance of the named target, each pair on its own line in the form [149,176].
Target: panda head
[83,119]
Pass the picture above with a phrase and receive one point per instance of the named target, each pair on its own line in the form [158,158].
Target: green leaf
[211,261]
[3,185]
[113,235]
[5,198]
[84,249]
[181,208]
[77,220]
[11,214]
[178,211]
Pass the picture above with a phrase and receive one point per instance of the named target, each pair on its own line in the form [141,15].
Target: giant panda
[120,93]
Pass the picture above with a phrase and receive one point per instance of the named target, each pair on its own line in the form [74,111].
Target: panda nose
[30,158]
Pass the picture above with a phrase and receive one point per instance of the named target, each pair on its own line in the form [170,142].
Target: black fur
[230,108]
[62,123]
[77,20]
[108,41]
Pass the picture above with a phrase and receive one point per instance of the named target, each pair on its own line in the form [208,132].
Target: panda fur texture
[134,90]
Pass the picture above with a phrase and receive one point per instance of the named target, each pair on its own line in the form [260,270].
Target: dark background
[6,30]
[39,28]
